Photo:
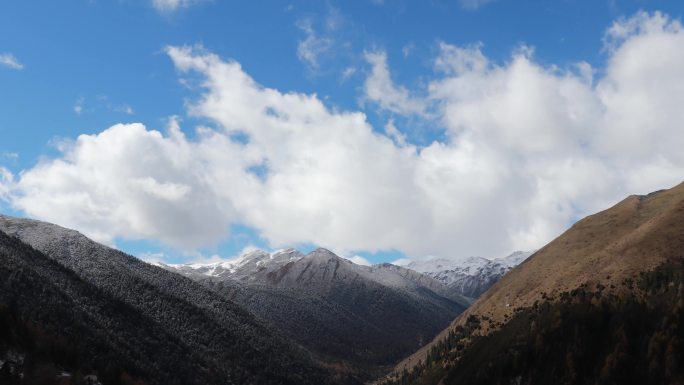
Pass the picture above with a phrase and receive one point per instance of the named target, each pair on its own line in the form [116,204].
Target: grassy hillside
[604,253]
[582,337]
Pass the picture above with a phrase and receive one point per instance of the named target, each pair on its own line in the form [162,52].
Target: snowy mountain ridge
[468,265]
[240,267]
[341,311]
[469,276]
[289,267]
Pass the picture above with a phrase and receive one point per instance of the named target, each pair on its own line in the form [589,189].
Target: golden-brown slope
[635,235]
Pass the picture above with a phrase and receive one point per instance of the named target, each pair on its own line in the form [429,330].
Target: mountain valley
[358,318]
[602,303]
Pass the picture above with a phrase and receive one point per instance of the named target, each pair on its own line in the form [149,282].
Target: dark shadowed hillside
[96,309]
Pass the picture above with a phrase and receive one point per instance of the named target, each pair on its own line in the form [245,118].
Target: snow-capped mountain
[340,311]
[244,268]
[470,276]
[291,268]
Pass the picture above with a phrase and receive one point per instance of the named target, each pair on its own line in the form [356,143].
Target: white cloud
[6,183]
[408,49]
[78,106]
[168,6]
[151,257]
[348,73]
[528,149]
[457,60]
[101,101]
[393,132]
[129,182]
[10,61]
[334,19]
[11,155]
[359,260]
[474,4]
[312,46]
[380,89]
[642,23]
[124,109]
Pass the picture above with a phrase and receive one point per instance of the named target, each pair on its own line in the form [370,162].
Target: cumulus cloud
[379,88]
[10,61]
[129,182]
[528,149]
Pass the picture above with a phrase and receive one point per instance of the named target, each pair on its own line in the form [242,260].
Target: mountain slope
[221,342]
[607,263]
[86,327]
[355,318]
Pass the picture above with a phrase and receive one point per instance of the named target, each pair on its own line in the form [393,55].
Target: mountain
[601,304]
[70,304]
[359,320]
[248,267]
[471,276]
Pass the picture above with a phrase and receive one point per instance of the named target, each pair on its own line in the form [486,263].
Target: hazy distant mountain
[355,318]
[68,303]
[601,304]
[471,276]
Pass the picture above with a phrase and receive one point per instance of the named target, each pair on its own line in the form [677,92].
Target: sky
[194,130]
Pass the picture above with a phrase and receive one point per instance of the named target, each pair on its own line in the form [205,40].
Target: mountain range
[469,277]
[315,318]
[601,304]
[357,319]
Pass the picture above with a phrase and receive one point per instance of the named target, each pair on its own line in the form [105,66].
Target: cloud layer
[528,149]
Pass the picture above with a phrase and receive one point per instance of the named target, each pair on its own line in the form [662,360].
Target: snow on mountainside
[353,317]
[514,259]
[291,268]
[115,312]
[242,268]
[470,276]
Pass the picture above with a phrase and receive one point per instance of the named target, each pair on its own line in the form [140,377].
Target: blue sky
[81,66]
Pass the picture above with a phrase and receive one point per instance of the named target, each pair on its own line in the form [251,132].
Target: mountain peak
[321,251]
